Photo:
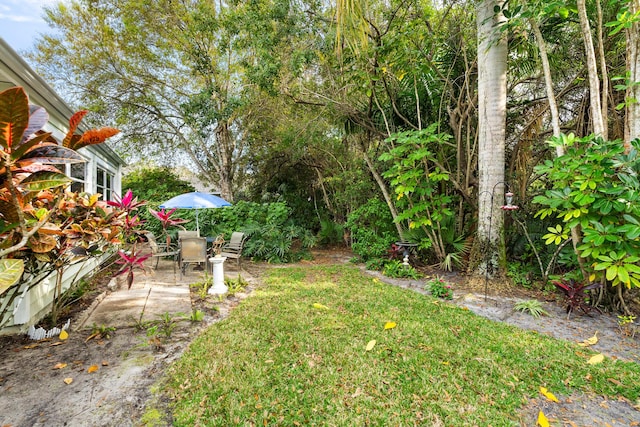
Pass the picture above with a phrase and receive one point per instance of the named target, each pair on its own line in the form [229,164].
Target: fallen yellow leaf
[598,358]
[589,341]
[543,421]
[68,380]
[60,366]
[320,306]
[546,393]
[370,345]
[63,335]
[92,368]
[390,325]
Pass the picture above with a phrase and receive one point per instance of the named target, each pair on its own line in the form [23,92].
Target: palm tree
[492,108]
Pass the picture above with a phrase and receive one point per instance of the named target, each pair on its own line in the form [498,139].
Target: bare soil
[112,378]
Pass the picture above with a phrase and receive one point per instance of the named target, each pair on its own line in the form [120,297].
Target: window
[104,183]
[78,176]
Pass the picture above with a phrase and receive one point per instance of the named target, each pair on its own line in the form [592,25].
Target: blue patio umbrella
[195,200]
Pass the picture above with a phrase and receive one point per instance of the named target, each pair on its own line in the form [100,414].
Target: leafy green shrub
[272,234]
[375,264]
[155,184]
[331,233]
[440,289]
[372,229]
[417,177]
[397,269]
[595,186]
[519,275]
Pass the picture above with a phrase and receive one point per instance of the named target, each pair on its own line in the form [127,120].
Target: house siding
[29,306]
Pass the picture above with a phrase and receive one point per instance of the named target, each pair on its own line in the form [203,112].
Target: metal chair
[233,249]
[160,250]
[183,234]
[193,250]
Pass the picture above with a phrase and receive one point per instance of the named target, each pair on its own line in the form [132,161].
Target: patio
[154,293]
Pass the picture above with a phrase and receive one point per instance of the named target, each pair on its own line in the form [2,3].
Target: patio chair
[182,234]
[233,249]
[193,250]
[160,250]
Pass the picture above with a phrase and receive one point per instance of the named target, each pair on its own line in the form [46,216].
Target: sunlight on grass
[278,360]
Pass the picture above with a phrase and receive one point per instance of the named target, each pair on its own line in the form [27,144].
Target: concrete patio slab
[153,294]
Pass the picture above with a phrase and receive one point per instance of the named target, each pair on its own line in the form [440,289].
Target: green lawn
[278,360]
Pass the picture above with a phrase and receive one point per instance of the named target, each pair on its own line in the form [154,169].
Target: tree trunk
[385,192]
[492,107]
[224,149]
[632,128]
[597,122]
[604,100]
[555,123]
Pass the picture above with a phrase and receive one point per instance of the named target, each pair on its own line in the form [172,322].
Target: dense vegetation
[370,120]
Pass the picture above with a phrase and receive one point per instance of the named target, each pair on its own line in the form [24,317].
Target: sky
[21,22]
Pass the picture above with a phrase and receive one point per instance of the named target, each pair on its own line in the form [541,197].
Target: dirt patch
[33,391]
[83,381]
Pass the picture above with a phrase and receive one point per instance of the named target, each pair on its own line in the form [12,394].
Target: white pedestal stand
[218,287]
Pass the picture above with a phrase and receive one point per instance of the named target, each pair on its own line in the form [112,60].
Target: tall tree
[597,120]
[492,108]
[165,71]
[632,128]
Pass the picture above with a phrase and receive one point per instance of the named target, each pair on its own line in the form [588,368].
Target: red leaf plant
[165,219]
[129,262]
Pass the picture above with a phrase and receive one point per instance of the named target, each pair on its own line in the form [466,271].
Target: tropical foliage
[327,108]
[44,227]
[595,186]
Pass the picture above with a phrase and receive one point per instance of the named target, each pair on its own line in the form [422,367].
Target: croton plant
[41,222]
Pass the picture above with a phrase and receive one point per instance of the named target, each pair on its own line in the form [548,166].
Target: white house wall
[29,307]
[35,304]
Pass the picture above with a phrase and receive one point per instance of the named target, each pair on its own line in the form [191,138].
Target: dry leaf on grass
[92,368]
[68,380]
[594,360]
[60,366]
[546,393]
[390,325]
[370,345]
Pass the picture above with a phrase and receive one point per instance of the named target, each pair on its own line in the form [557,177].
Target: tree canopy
[341,104]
